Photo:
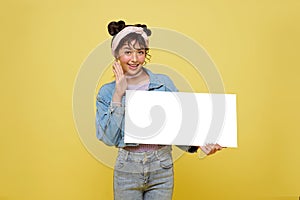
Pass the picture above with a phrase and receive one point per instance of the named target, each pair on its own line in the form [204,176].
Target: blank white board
[179,118]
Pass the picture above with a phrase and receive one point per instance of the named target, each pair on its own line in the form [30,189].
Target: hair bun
[144,26]
[115,27]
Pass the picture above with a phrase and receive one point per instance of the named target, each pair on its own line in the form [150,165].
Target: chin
[134,71]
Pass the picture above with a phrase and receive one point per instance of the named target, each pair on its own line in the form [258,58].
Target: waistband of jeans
[142,155]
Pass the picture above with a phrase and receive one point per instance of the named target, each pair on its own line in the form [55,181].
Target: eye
[141,52]
[127,52]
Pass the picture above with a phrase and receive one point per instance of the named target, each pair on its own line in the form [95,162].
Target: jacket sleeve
[109,120]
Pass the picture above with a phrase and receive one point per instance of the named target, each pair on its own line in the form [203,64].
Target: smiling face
[132,58]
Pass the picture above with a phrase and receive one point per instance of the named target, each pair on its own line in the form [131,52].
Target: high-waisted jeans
[144,176]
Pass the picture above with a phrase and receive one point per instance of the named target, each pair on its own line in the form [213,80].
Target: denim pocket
[166,161]
[119,164]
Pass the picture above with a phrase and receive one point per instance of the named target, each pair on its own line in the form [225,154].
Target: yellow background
[255,45]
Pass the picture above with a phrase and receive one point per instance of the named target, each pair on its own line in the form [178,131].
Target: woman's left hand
[209,149]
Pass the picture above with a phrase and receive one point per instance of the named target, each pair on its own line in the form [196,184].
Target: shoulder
[162,79]
[105,91]
[107,87]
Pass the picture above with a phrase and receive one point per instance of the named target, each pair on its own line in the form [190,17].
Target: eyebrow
[128,48]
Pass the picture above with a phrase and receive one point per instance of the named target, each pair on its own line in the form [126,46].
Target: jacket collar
[154,81]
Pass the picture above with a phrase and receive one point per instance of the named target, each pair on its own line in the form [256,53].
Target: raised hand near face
[121,82]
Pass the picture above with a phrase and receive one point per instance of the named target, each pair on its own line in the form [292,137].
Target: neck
[137,78]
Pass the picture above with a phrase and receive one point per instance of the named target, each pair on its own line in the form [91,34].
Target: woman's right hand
[121,82]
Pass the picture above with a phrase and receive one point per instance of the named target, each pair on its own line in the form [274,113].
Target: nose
[134,56]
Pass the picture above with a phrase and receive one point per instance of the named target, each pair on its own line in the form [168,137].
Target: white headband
[129,29]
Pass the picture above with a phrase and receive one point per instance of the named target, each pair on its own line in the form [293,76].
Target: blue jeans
[144,176]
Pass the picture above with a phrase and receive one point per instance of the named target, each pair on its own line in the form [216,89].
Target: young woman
[142,171]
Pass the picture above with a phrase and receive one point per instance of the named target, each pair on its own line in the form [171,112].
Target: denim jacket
[110,118]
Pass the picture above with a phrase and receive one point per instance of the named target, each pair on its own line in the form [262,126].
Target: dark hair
[115,27]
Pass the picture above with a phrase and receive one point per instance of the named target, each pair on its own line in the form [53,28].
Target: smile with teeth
[133,66]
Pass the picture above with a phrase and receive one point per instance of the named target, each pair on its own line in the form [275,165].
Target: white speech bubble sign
[153,117]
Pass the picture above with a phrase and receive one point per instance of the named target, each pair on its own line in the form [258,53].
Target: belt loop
[156,154]
[145,159]
[126,155]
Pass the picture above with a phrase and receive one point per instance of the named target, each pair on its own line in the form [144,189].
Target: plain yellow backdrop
[255,45]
